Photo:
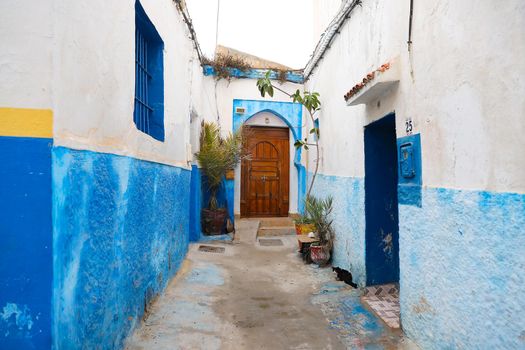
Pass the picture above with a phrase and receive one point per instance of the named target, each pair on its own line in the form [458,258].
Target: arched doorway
[275,114]
[265,175]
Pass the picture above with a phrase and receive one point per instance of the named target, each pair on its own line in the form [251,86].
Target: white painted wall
[245,89]
[78,60]
[462,86]
[26,44]
[266,119]
[94,79]
[204,106]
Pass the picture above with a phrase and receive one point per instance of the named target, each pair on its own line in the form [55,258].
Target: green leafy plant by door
[311,102]
[216,156]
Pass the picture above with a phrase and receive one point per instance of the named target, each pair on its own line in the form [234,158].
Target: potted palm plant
[216,156]
[319,210]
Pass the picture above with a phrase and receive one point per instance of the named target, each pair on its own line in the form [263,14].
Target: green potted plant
[303,224]
[319,210]
[216,156]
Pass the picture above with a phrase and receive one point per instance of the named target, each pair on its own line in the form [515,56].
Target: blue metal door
[381,204]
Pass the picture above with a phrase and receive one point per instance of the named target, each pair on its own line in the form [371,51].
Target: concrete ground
[258,297]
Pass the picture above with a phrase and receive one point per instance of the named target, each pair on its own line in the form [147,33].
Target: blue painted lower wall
[462,262]
[26,241]
[462,258]
[195,204]
[229,192]
[349,221]
[120,231]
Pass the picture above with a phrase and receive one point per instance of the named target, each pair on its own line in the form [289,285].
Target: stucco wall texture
[461,264]
[120,231]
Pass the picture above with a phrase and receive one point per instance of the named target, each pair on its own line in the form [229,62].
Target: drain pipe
[409,42]
[328,36]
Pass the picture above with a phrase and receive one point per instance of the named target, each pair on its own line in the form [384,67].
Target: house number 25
[409,127]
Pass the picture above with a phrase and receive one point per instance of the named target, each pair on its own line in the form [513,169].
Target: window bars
[143,111]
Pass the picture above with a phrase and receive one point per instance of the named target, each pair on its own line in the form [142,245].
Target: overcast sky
[278,30]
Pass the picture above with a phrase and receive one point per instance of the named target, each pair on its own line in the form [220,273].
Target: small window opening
[148,113]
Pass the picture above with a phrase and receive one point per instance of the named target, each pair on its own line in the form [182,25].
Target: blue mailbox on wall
[406,161]
[409,170]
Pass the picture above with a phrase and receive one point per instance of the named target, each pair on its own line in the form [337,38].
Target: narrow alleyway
[259,297]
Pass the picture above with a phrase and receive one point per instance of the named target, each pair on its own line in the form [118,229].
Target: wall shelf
[381,85]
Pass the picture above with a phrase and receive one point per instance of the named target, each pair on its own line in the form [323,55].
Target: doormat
[211,249]
[269,242]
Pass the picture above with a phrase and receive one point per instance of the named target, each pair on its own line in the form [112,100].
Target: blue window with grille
[148,113]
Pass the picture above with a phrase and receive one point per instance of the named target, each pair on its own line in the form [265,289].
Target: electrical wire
[326,39]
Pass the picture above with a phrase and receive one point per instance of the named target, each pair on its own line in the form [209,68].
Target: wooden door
[266,174]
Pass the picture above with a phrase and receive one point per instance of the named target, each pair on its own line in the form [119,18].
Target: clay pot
[213,221]
[320,254]
[304,229]
[230,174]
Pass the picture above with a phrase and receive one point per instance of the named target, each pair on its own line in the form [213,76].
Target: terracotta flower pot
[230,174]
[320,254]
[304,229]
[213,221]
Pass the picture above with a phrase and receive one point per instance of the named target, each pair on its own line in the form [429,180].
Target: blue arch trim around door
[292,115]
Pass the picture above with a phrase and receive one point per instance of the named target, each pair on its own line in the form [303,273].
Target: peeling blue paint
[16,319]
[292,115]
[292,76]
[462,256]
[121,230]
[357,327]
[349,221]
[207,274]
[190,317]
[26,239]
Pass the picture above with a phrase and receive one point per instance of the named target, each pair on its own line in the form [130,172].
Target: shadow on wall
[121,230]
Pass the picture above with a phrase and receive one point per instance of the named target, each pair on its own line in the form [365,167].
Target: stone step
[277,222]
[276,231]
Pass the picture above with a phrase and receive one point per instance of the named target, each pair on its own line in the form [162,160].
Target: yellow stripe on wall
[23,122]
